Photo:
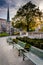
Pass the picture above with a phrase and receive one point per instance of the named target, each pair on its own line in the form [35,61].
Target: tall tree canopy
[28,12]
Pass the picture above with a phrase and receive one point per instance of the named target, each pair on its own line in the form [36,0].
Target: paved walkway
[9,56]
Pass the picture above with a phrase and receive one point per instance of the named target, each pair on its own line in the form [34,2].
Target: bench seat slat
[18,46]
[22,44]
[35,59]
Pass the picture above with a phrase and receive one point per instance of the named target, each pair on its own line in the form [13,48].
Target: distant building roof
[2,19]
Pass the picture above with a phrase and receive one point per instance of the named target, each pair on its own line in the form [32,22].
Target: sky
[14,5]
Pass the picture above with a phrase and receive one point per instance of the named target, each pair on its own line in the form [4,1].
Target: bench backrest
[37,51]
[22,44]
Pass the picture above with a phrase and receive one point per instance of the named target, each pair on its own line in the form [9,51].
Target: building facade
[5,24]
[2,24]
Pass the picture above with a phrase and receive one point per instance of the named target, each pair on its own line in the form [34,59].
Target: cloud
[3,12]
[3,3]
[13,5]
[16,3]
[12,12]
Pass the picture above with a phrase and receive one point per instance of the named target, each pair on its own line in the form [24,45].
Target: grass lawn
[4,34]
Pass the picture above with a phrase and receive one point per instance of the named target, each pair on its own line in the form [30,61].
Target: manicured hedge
[15,40]
[34,42]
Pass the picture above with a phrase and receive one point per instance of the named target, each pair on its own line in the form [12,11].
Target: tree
[29,15]
[13,24]
[29,11]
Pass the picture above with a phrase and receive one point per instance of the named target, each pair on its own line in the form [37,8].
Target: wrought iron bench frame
[20,46]
[37,60]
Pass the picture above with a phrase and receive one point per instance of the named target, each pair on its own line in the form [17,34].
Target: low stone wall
[35,35]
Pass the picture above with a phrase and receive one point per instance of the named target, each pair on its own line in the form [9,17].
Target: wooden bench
[35,55]
[20,46]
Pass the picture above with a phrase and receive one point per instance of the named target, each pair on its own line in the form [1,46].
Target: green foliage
[16,33]
[27,12]
[27,47]
[4,34]
[13,24]
[15,40]
[18,25]
[34,42]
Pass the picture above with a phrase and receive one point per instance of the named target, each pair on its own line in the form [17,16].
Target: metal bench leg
[19,53]
[23,56]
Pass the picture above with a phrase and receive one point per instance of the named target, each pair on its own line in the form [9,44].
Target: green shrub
[28,45]
[15,40]
[34,42]
[16,33]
